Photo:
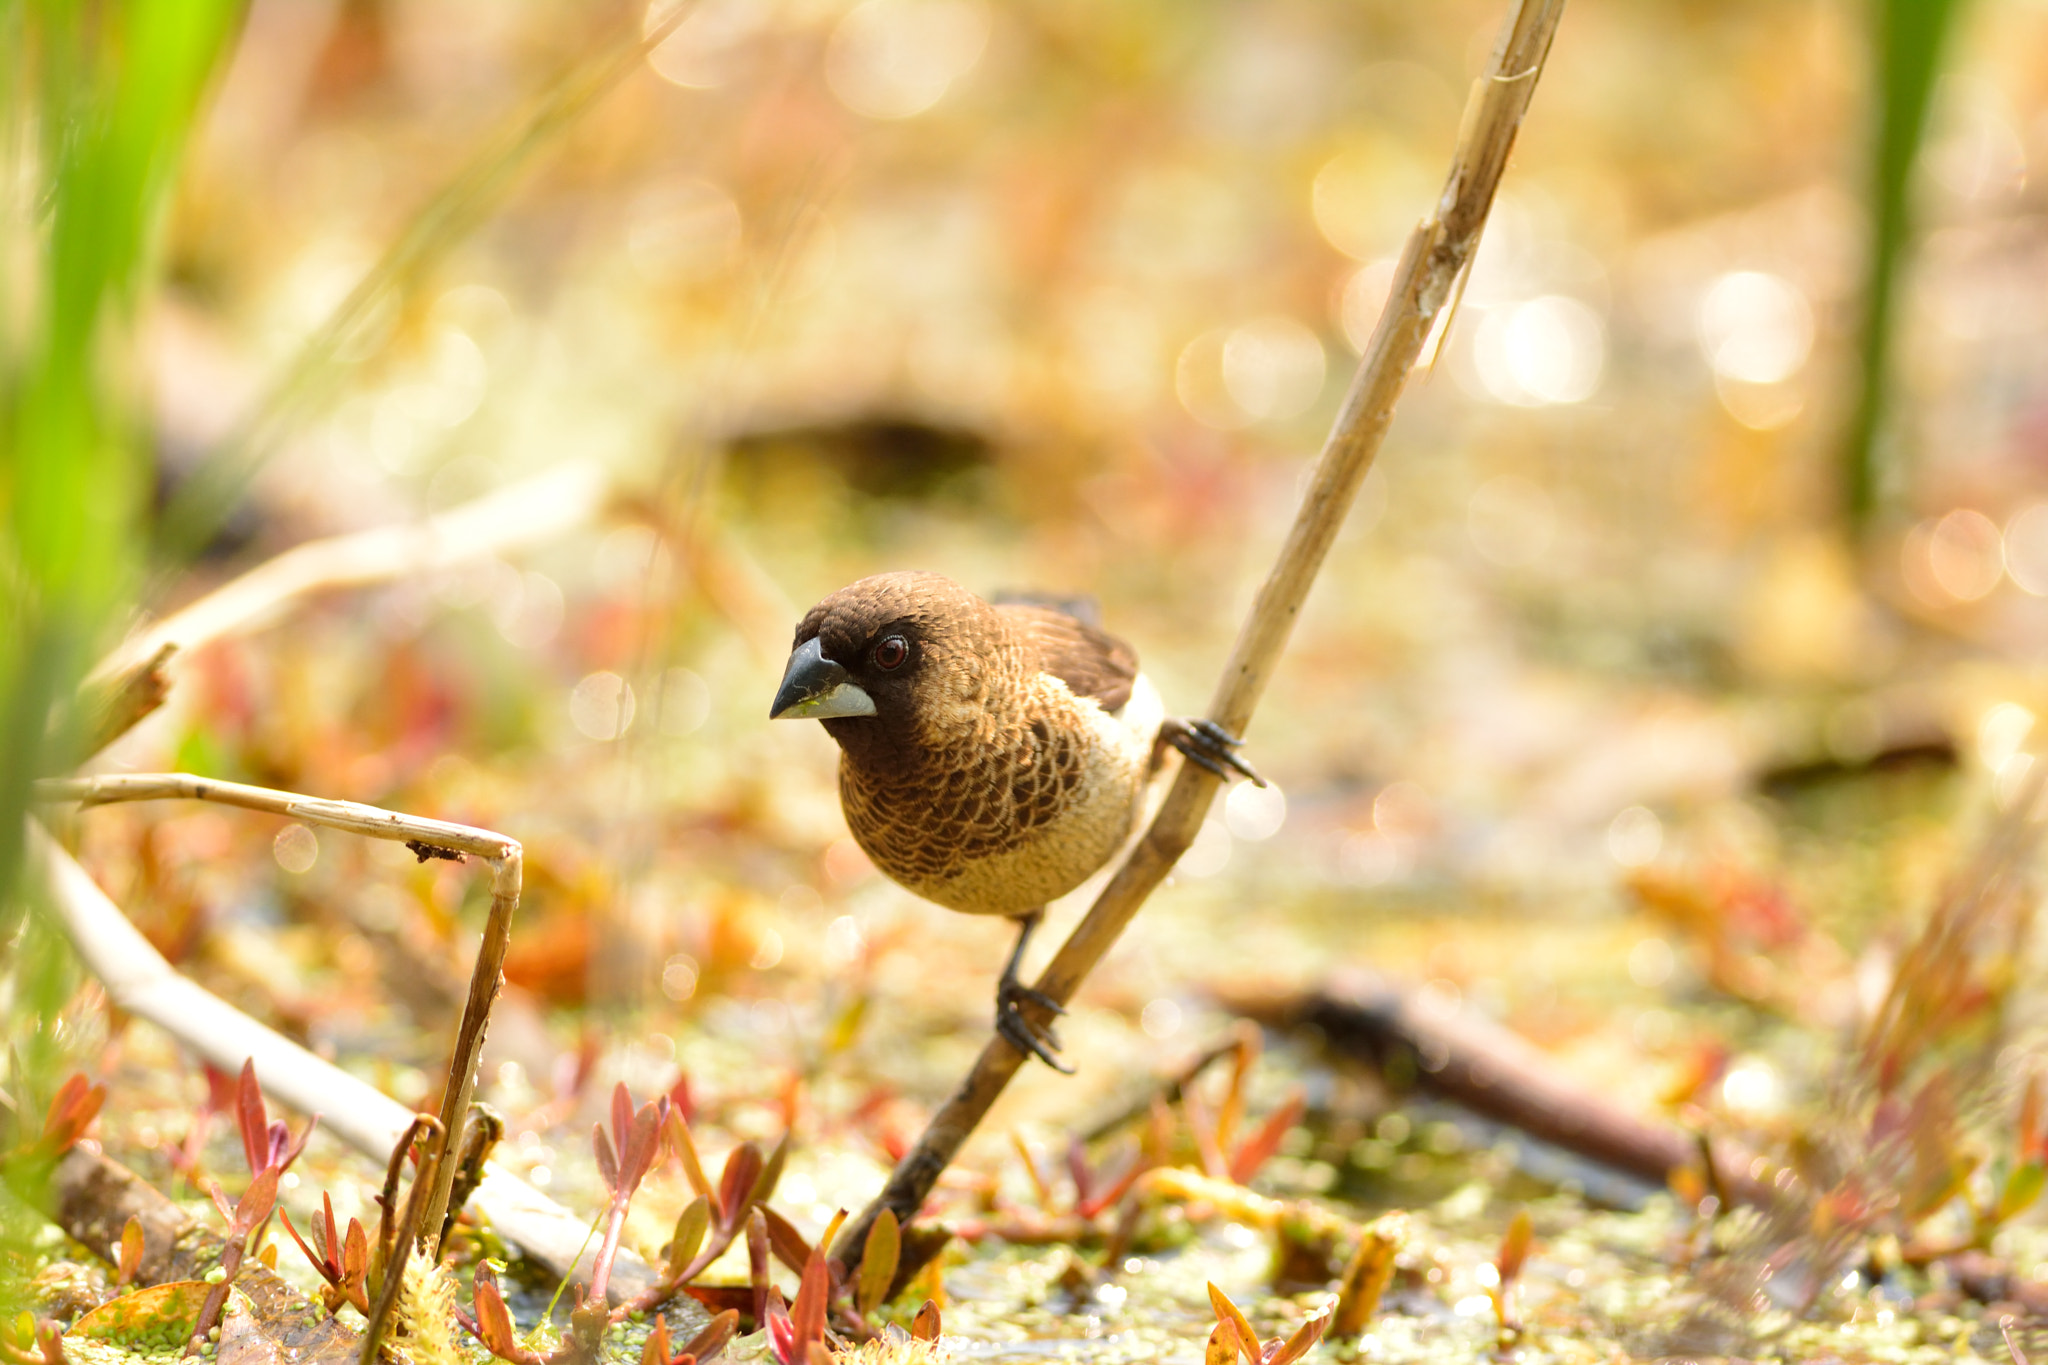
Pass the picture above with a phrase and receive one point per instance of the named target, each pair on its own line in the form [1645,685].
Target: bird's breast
[1004,827]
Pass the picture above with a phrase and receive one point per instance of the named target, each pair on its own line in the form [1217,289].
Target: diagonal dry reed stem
[1437,254]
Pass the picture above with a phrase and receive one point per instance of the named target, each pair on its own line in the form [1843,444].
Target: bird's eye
[892,652]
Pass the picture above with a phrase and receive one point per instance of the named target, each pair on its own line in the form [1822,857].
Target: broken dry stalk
[117,700]
[1437,254]
[400,1240]
[1367,1275]
[500,851]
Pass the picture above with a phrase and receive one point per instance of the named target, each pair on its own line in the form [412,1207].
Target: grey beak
[815,688]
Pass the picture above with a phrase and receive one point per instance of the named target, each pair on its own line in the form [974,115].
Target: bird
[993,755]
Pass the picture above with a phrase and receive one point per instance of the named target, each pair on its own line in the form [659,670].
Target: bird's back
[1089,660]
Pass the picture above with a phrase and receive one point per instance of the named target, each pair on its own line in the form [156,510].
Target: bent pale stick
[504,855]
[1437,254]
[141,982]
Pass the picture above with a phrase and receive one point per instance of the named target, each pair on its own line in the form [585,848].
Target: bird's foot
[1030,1039]
[1209,745]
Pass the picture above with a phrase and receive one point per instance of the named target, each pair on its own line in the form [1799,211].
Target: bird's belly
[1051,861]
[998,863]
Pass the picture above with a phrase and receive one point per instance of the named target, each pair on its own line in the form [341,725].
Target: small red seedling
[342,1260]
[72,1110]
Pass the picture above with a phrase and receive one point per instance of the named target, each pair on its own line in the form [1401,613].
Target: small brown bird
[992,757]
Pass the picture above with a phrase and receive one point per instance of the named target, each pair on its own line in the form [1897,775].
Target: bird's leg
[1030,1040]
[1206,743]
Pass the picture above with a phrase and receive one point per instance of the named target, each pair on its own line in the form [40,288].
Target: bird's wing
[1091,662]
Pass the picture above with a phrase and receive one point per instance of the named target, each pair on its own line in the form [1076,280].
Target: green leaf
[1908,41]
[691,1225]
[2022,1188]
[878,1262]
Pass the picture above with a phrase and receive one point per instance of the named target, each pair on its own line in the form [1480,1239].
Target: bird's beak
[815,688]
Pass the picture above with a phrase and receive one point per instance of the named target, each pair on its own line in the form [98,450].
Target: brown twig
[1437,253]
[140,982]
[1471,1061]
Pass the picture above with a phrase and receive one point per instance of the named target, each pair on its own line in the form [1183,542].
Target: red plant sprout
[72,1110]
[747,1182]
[342,1261]
[1108,1188]
[1260,1146]
[681,1099]
[624,1157]
[243,1218]
[655,1351]
[264,1143]
[702,1347]
[795,1334]
[626,1152]
[856,1300]
[1097,1189]
[1213,1134]
[493,1322]
[270,1148]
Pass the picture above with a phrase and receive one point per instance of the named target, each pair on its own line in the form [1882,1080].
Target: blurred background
[1678,643]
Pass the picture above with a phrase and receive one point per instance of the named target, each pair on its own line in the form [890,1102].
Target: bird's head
[913,656]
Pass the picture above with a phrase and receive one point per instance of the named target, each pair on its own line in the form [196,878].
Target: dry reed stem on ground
[1437,254]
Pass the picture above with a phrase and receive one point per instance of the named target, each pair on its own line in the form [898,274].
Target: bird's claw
[1030,1040]
[1208,745]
